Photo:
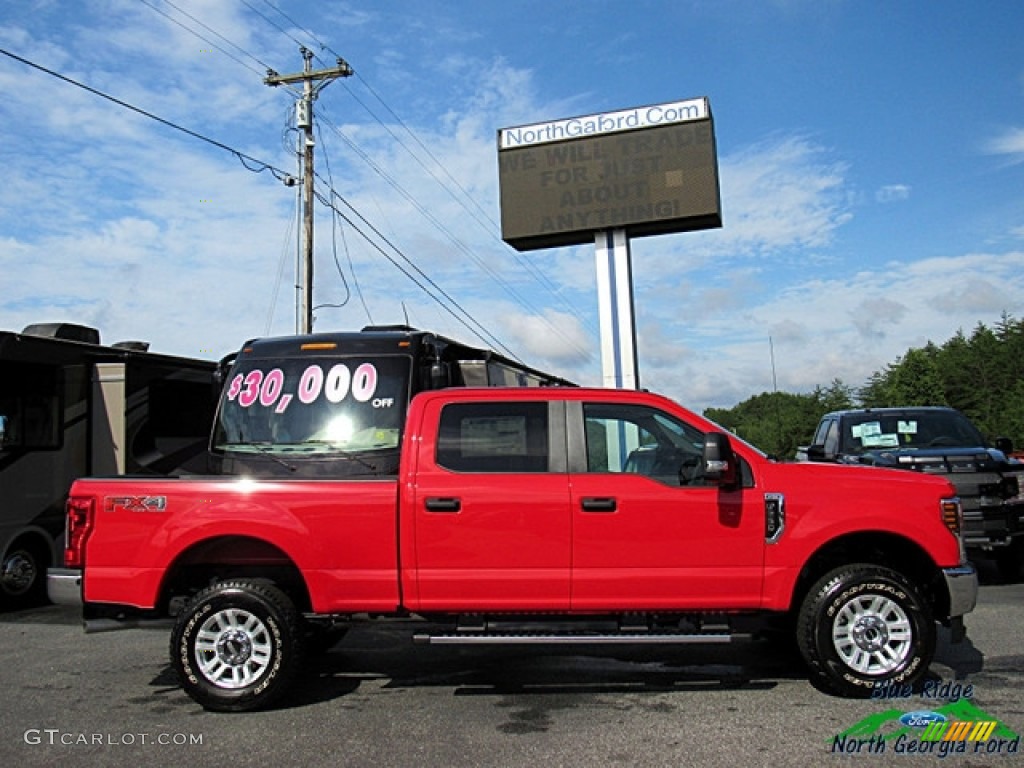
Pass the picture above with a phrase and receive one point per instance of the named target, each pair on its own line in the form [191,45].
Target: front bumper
[64,586]
[962,585]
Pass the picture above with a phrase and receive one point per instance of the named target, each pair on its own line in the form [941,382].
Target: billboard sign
[648,170]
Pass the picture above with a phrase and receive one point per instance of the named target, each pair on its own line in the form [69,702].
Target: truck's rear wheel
[862,626]
[236,645]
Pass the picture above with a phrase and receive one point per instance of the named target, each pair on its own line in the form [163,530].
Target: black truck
[938,441]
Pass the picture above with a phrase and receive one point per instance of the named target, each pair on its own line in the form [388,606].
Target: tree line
[981,375]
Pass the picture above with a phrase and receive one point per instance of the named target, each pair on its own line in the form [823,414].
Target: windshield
[313,405]
[909,430]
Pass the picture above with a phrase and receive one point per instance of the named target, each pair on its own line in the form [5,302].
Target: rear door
[491,508]
[648,531]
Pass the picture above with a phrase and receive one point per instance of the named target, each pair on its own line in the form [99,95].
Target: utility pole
[304,121]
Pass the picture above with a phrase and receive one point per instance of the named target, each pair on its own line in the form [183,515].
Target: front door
[648,532]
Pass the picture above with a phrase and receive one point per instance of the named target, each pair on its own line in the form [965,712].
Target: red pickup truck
[541,515]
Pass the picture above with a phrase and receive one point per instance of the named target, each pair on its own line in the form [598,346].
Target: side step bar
[467,638]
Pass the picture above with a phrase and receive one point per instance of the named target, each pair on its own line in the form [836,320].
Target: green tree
[878,391]
[837,396]
[776,422]
[915,379]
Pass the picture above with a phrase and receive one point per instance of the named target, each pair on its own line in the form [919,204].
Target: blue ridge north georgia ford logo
[958,727]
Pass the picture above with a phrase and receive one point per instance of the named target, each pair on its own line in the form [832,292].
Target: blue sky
[870,159]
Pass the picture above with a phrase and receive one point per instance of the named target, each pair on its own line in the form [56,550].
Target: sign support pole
[615,309]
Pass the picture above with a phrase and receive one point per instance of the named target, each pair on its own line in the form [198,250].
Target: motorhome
[71,407]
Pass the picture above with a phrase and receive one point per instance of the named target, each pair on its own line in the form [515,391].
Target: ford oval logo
[921,718]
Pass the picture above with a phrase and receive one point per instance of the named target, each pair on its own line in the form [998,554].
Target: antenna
[775,391]
[771,352]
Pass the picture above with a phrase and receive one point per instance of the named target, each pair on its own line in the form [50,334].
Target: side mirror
[220,373]
[1005,445]
[720,463]
[440,375]
[816,453]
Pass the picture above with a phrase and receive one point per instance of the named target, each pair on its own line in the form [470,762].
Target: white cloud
[570,348]
[845,327]
[1009,142]
[892,193]
[780,194]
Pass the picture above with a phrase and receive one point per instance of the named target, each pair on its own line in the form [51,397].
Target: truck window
[828,436]
[642,440]
[909,430]
[494,437]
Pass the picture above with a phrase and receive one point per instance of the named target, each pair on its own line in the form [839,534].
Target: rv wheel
[22,577]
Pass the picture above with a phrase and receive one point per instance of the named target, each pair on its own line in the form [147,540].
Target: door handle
[598,503]
[443,504]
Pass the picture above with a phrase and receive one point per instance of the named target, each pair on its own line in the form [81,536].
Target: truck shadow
[988,573]
[389,656]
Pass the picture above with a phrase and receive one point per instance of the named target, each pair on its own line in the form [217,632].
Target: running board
[466,638]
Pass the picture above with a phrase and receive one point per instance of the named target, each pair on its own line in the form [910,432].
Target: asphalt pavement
[377,700]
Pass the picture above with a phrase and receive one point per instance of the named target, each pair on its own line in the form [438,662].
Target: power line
[206,40]
[335,228]
[314,38]
[466,201]
[278,27]
[242,157]
[487,224]
[459,244]
[260,166]
[282,176]
[480,331]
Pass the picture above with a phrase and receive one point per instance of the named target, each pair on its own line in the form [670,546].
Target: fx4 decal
[135,503]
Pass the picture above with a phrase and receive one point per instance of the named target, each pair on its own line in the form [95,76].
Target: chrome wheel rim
[233,648]
[872,635]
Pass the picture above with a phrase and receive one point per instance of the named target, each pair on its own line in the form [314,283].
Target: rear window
[494,437]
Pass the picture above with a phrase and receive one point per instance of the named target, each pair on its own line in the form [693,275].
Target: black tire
[237,645]
[862,626]
[22,577]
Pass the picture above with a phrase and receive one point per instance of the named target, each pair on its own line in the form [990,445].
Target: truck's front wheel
[236,645]
[862,626]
